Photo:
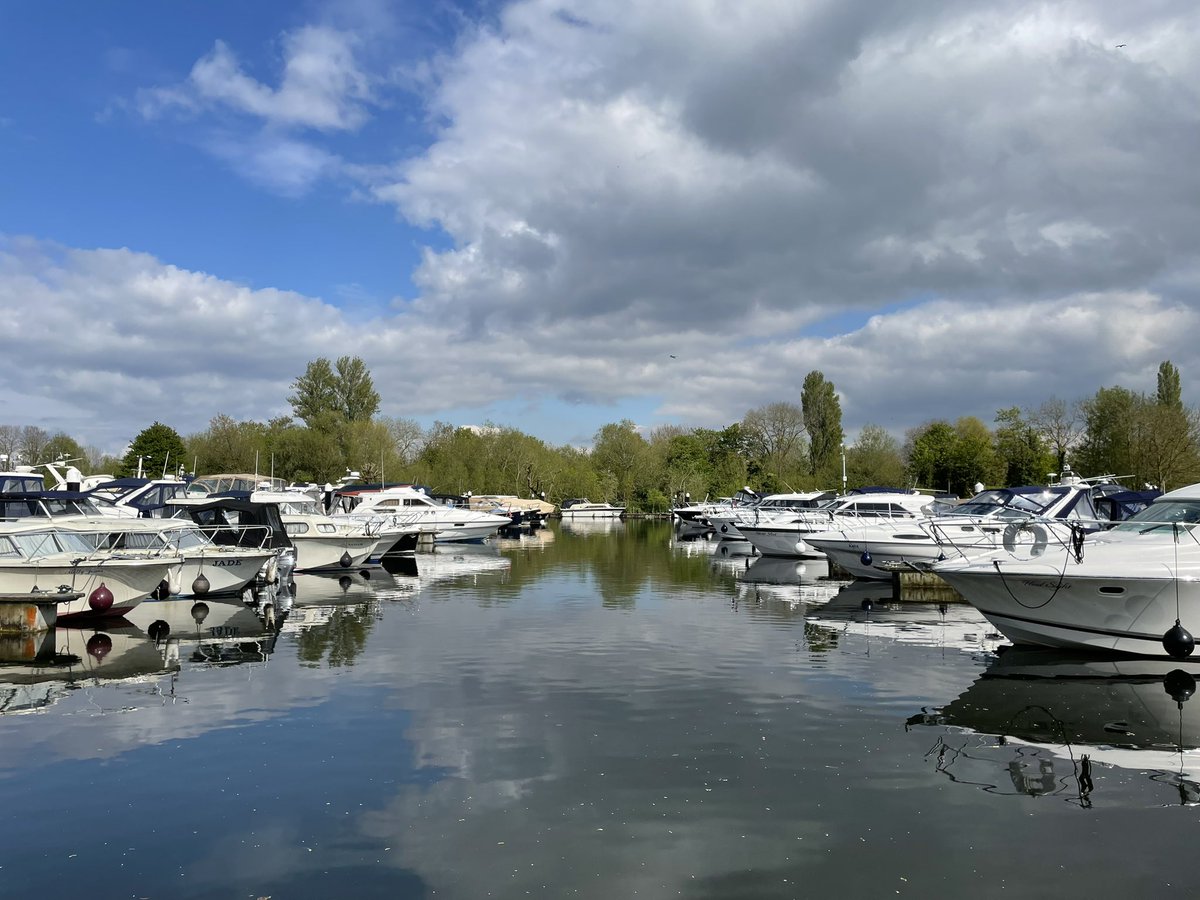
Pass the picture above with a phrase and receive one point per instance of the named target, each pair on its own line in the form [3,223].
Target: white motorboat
[1120,590]
[582,508]
[971,528]
[309,527]
[136,497]
[726,523]
[226,569]
[701,514]
[788,535]
[406,507]
[42,557]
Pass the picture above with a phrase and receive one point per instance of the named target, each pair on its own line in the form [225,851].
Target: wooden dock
[914,585]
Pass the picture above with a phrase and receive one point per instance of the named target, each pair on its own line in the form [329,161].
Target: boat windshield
[298,507]
[36,544]
[1008,504]
[1166,515]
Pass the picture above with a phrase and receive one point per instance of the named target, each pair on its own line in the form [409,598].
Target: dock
[31,613]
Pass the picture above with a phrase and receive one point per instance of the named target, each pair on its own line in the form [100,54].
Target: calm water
[589,714]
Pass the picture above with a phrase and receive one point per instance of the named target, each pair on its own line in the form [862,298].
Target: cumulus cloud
[321,86]
[750,169]
[160,342]
[263,130]
[985,204]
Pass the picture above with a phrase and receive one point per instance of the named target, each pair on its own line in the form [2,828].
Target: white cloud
[159,342]
[1007,190]
[321,85]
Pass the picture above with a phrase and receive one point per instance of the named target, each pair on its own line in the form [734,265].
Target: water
[589,713]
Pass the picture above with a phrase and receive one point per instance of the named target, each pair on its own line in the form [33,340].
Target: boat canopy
[228,520]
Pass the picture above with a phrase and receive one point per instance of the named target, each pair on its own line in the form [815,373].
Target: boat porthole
[1112,589]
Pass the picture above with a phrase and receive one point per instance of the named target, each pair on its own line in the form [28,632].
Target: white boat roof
[1190,492]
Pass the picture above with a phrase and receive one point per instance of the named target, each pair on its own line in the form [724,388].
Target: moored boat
[1121,590]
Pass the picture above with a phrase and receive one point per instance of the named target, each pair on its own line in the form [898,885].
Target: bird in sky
[1119,46]
[672,356]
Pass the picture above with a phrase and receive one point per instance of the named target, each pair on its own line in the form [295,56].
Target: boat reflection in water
[869,609]
[589,527]
[1048,722]
[38,671]
[784,580]
[215,630]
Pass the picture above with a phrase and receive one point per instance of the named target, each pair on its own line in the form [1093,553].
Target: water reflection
[1044,722]
[600,716]
[38,671]
[592,527]
[870,609]
[797,583]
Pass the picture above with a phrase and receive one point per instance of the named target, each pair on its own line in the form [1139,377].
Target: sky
[555,215]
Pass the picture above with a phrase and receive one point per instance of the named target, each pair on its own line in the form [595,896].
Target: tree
[326,396]
[1169,391]
[874,459]
[618,453]
[973,459]
[407,437]
[63,446]
[1059,424]
[158,447]
[229,446]
[1021,449]
[1110,422]
[315,397]
[929,449]
[357,398]
[33,444]
[777,433]
[823,418]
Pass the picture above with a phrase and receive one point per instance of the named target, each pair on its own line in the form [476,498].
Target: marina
[592,709]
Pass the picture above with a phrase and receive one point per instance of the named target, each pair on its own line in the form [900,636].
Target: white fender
[175,579]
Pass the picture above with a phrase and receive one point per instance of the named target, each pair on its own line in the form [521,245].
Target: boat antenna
[165,458]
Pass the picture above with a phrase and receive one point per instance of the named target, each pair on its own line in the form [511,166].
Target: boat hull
[129,581]
[1047,607]
[317,553]
[789,541]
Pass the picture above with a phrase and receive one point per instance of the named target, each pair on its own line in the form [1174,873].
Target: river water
[599,713]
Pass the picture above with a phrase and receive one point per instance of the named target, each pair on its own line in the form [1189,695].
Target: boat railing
[239,535]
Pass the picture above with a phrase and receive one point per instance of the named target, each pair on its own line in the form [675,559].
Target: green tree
[823,418]
[229,446]
[159,448]
[357,398]
[328,395]
[973,459]
[315,397]
[1110,425]
[875,459]
[63,446]
[1170,393]
[619,454]
[929,451]
[1021,449]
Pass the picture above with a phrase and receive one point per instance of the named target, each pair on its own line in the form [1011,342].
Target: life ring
[1037,547]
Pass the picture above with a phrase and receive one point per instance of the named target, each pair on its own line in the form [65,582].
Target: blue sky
[555,216]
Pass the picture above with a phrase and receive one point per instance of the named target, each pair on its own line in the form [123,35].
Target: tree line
[335,429]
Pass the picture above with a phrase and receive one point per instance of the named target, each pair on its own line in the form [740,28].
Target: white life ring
[1036,547]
